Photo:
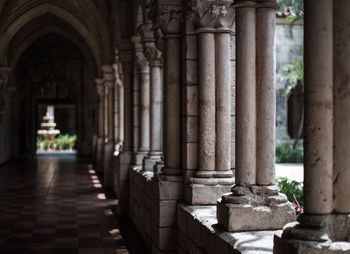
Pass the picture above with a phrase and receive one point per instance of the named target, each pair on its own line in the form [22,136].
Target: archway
[54,72]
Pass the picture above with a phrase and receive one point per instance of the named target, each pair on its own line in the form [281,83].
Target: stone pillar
[154,57]
[324,227]
[135,100]
[341,174]
[265,94]
[108,77]
[214,175]
[168,183]
[144,129]
[100,135]
[255,203]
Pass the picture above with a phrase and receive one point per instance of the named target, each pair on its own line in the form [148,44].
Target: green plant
[296,7]
[293,191]
[286,153]
[293,75]
[66,142]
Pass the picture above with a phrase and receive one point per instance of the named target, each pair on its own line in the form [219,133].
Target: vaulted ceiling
[95,26]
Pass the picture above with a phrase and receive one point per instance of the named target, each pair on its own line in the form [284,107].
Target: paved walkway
[57,205]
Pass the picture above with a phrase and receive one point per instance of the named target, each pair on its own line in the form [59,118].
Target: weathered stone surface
[285,246]
[203,194]
[258,213]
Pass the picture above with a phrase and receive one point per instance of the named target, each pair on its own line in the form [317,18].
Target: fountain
[48,130]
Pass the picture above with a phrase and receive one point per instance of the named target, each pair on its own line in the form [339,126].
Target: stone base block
[254,208]
[200,194]
[288,246]
[149,163]
[138,157]
[168,187]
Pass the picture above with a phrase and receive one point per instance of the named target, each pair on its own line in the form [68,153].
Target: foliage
[293,75]
[295,7]
[65,142]
[293,191]
[286,153]
[62,142]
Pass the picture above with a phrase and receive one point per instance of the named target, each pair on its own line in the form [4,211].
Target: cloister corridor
[56,204]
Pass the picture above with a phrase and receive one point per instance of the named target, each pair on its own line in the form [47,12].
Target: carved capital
[142,63]
[169,17]
[214,14]
[153,55]
[100,86]
[108,75]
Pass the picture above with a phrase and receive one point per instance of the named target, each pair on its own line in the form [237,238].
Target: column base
[158,167]
[138,157]
[254,208]
[151,160]
[282,245]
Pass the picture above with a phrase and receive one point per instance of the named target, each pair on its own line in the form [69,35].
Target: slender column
[143,67]
[223,102]
[154,57]
[100,92]
[245,95]
[135,98]
[318,107]
[109,101]
[206,104]
[172,100]
[266,93]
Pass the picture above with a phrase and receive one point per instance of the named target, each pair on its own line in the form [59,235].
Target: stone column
[341,174]
[144,130]
[154,57]
[255,203]
[214,175]
[135,100]
[325,225]
[265,94]
[100,135]
[108,77]
[168,183]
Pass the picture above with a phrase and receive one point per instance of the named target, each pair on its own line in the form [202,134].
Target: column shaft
[101,114]
[206,71]
[144,111]
[172,93]
[245,96]
[341,174]
[121,114]
[135,102]
[318,141]
[110,111]
[223,102]
[156,108]
[266,97]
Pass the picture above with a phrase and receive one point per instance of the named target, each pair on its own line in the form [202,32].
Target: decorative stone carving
[168,17]
[153,55]
[211,14]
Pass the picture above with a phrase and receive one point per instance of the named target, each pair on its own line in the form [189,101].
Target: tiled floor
[56,205]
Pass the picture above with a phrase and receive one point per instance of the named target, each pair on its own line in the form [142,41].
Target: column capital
[168,16]
[209,14]
[153,55]
[99,86]
[108,75]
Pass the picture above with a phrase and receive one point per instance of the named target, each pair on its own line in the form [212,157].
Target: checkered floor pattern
[57,205]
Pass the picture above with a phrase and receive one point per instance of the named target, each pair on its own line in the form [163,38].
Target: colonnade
[183,112]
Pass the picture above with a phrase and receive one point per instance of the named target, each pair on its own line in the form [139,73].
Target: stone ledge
[285,246]
[199,231]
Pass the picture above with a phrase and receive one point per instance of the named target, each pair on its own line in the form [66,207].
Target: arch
[101,54]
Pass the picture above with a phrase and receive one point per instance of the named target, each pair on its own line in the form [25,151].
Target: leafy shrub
[62,142]
[285,153]
[293,191]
